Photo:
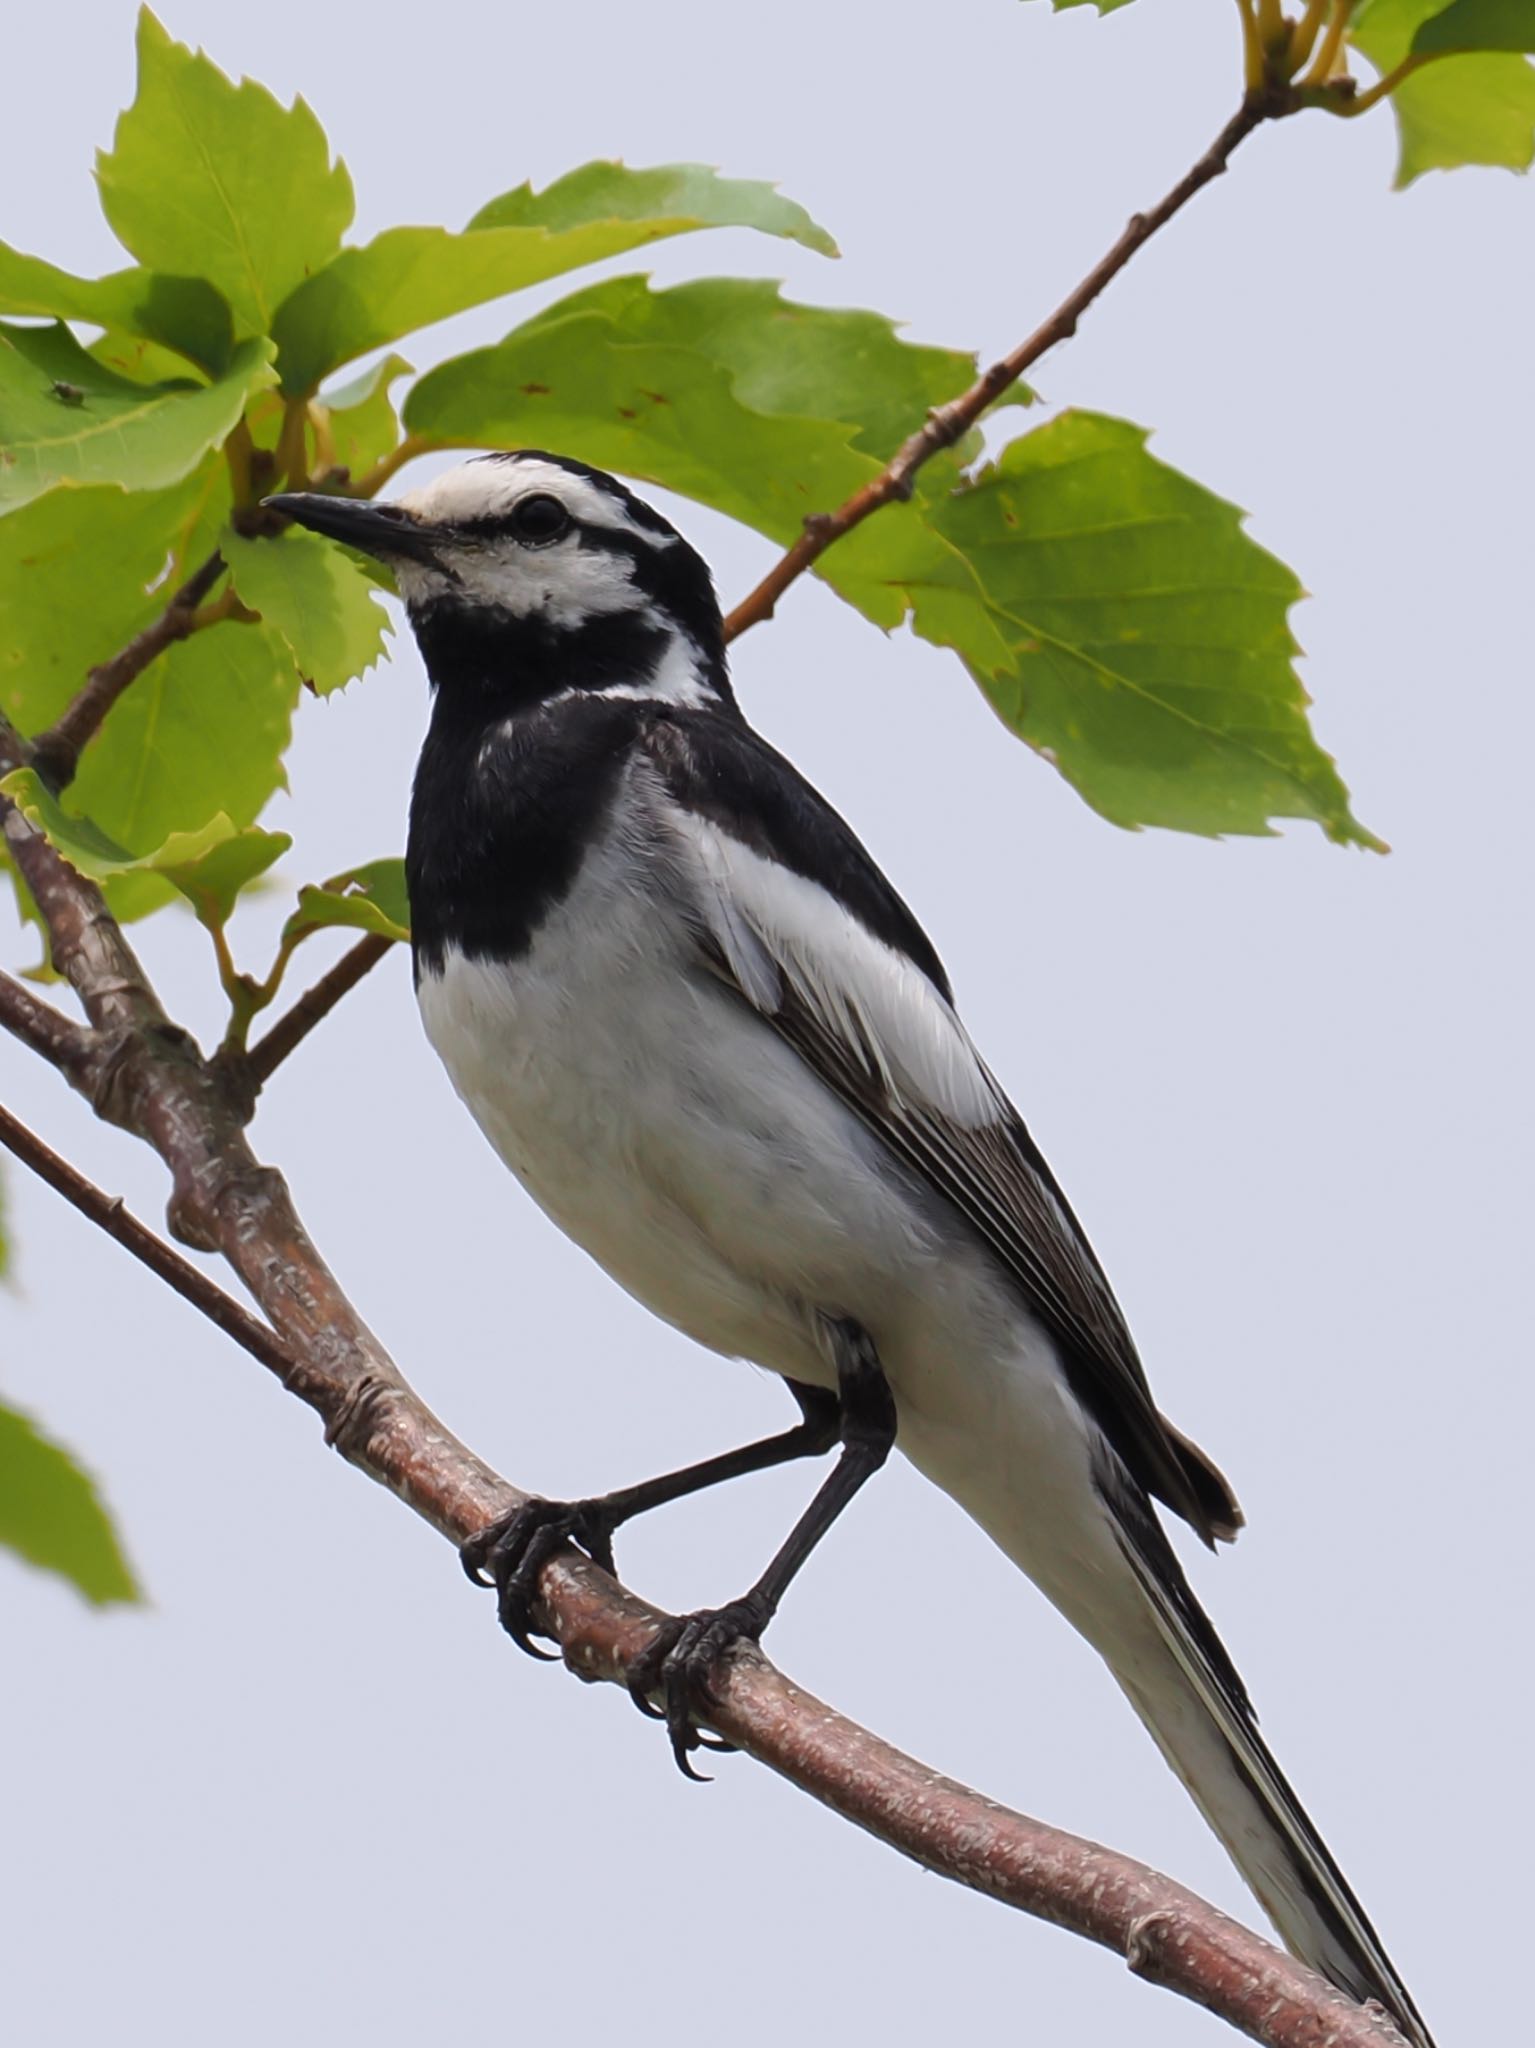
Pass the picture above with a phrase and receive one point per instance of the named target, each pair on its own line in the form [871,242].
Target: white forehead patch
[489,486]
[564,581]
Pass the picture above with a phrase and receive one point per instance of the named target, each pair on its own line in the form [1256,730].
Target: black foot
[681,1664]
[510,1554]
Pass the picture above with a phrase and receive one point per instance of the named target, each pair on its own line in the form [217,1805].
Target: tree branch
[59,1039]
[949,423]
[108,1213]
[145,1074]
[55,753]
[291,1029]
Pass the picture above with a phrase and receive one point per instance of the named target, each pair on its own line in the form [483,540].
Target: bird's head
[529,575]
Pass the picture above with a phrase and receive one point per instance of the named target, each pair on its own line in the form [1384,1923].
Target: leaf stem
[1332,45]
[1252,47]
[292,458]
[1361,102]
[324,439]
[1303,41]
[374,480]
[239,454]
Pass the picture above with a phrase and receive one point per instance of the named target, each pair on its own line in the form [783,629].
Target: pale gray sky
[310,1795]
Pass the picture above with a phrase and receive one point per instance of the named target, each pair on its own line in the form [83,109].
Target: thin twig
[108,1213]
[55,753]
[295,1025]
[948,423]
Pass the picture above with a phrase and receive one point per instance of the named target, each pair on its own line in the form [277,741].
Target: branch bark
[949,423]
[313,1007]
[143,1072]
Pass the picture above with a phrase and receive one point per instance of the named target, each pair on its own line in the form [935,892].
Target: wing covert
[860,1002]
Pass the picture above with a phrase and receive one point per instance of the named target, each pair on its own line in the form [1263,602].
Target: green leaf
[783,358]
[209,866]
[183,314]
[1478,25]
[51,1515]
[720,390]
[669,199]
[1456,110]
[211,179]
[71,544]
[364,425]
[65,417]
[310,592]
[1148,649]
[76,568]
[410,277]
[371,898]
[203,730]
[1103,6]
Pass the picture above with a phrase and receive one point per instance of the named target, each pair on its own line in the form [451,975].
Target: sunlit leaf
[1456,110]
[362,421]
[371,898]
[65,417]
[667,199]
[210,179]
[184,314]
[309,591]
[1478,25]
[51,1515]
[203,730]
[410,277]
[721,390]
[70,545]
[209,866]
[1149,651]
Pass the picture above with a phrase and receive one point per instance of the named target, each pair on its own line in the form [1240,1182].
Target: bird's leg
[679,1664]
[510,1553]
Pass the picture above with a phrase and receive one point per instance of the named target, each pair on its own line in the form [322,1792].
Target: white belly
[670,1133]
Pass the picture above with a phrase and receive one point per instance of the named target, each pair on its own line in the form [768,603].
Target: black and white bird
[704,1032]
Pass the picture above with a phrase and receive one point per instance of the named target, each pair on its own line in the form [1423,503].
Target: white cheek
[565,584]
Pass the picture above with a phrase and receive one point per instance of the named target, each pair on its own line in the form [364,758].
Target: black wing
[865,1002]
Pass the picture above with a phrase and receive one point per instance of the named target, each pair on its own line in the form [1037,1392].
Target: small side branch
[108,1213]
[949,423]
[58,1039]
[295,1025]
[55,753]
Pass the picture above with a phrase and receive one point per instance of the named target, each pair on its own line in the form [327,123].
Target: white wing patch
[778,929]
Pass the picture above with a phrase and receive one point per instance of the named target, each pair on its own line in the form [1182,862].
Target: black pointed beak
[387,531]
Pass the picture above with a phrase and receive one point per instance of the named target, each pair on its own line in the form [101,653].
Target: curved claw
[509,1555]
[680,1664]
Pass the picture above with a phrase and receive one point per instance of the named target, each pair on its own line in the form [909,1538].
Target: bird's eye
[539,518]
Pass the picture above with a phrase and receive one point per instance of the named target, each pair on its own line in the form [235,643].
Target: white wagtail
[698,1024]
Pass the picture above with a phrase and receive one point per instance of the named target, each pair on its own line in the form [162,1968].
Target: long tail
[1185,1688]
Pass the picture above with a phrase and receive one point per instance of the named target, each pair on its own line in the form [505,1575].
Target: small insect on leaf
[67,394]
